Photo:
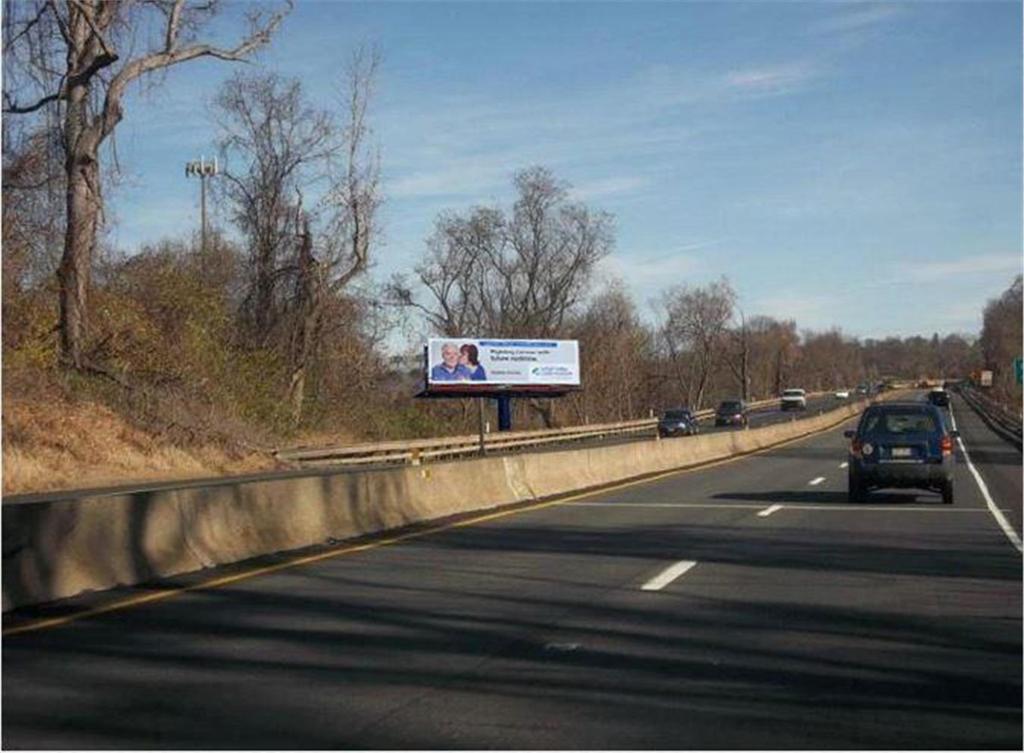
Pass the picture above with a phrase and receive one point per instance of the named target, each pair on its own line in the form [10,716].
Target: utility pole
[204,170]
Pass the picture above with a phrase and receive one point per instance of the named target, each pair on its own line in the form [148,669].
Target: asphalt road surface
[744,605]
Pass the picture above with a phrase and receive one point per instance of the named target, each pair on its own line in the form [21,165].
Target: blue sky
[847,164]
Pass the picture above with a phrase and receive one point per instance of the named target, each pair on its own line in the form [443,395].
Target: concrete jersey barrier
[60,548]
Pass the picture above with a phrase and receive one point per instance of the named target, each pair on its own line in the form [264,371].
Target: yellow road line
[135,601]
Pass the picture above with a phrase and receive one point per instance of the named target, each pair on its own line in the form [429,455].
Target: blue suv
[901,445]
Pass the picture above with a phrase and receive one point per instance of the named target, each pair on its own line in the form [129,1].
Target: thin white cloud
[860,18]
[597,189]
[472,177]
[770,80]
[928,270]
[807,310]
[647,276]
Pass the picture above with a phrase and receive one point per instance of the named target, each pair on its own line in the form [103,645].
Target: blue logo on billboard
[551,371]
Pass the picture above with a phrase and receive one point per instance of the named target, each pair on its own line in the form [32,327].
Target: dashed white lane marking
[843,465]
[996,512]
[768,511]
[668,575]
[816,481]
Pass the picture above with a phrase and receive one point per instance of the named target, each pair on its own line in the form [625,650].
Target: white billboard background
[511,362]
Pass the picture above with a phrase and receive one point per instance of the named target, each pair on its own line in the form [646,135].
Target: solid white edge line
[668,575]
[768,511]
[996,512]
[816,481]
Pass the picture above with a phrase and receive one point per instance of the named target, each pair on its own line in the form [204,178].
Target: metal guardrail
[1003,422]
[416,451]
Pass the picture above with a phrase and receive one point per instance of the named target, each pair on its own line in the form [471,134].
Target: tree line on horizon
[279,331]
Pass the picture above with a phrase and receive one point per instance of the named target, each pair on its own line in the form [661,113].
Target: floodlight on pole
[204,170]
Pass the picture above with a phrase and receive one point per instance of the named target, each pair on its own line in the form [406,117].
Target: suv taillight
[855,448]
[946,444]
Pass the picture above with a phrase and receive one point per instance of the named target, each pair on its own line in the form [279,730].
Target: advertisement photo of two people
[459,364]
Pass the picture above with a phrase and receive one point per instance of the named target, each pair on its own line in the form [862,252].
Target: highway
[742,605]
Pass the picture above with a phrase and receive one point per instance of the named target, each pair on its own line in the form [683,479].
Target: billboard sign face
[520,363]
[986,378]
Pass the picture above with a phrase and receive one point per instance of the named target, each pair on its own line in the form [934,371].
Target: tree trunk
[545,410]
[83,210]
[307,323]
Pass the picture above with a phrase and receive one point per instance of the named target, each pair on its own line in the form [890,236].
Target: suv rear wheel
[857,492]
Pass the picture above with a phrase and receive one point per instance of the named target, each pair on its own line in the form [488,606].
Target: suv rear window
[793,393]
[677,415]
[899,423]
[733,407]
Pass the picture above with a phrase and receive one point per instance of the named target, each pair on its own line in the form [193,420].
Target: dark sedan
[678,422]
[939,398]
[901,445]
[731,413]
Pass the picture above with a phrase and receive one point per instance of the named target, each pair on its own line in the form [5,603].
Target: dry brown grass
[51,443]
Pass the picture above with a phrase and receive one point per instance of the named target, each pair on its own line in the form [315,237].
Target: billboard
[986,379]
[518,363]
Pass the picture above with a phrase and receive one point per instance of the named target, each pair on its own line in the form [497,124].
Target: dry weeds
[51,443]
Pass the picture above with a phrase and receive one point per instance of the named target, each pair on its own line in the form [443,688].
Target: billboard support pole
[504,412]
[480,411]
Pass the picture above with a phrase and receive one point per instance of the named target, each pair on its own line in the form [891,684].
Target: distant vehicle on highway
[842,394]
[901,445]
[939,398]
[793,399]
[678,422]
[731,413]
[863,389]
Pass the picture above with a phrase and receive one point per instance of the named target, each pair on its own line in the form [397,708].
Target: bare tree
[278,146]
[274,144]
[616,350]
[68,55]
[739,357]
[1001,339]
[693,331]
[520,273]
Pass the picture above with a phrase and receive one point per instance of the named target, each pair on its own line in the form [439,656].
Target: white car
[842,394]
[794,399]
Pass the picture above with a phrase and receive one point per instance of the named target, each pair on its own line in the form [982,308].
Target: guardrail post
[504,413]
[480,411]
[415,458]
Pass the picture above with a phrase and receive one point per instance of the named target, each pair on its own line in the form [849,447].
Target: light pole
[204,170]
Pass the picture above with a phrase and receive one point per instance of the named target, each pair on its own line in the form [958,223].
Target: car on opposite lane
[732,413]
[678,422]
[793,399]
[842,394]
[902,445]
